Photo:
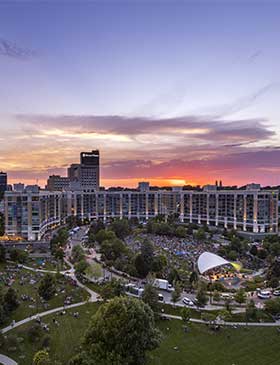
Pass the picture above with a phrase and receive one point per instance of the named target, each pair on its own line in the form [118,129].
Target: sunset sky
[175,92]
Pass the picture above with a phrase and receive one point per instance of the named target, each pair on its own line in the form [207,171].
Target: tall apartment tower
[86,173]
[3,182]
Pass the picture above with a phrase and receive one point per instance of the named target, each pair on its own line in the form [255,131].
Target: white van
[264,294]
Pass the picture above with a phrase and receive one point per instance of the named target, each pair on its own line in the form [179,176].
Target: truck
[162,284]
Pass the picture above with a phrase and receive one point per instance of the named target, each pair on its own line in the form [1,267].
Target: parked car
[276,292]
[160,297]
[188,301]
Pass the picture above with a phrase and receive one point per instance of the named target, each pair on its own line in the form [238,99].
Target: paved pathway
[5,360]
[41,314]
[231,324]
[43,270]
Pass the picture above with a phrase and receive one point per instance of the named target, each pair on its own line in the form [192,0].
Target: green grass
[27,308]
[201,346]
[48,264]
[65,338]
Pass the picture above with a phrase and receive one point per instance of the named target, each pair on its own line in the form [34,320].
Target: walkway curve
[5,360]
[44,270]
[42,314]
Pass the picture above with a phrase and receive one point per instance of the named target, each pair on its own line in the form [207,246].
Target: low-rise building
[255,210]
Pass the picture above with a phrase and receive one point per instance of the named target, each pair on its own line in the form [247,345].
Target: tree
[193,278]
[2,224]
[200,235]
[47,287]
[34,333]
[173,275]
[77,253]
[240,296]
[176,294]
[2,314]
[201,297]
[228,302]
[216,296]
[41,358]
[18,255]
[62,236]
[274,270]
[113,288]
[2,253]
[181,232]
[120,227]
[113,249]
[10,300]
[104,235]
[254,250]
[141,266]
[96,227]
[186,314]
[262,253]
[273,282]
[159,263]
[81,267]
[120,332]
[272,306]
[150,297]
[144,260]
[59,253]
[251,311]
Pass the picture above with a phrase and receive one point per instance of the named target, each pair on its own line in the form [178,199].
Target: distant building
[19,187]
[253,186]
[58,183]
[210,187]
[3,182]
[87,172]
[32,188]
[143,186]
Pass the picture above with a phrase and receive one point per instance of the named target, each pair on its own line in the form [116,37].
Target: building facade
[245,210]
[251,210]
[29,214]
[58,183]
[87,173]
[3,182]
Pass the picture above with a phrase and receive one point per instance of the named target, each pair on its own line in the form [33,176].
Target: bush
[272,306]
[34,333]
[46,341]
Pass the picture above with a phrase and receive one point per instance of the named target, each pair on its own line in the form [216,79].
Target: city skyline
[157,87]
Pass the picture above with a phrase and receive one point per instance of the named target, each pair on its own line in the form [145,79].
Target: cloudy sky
[175,92]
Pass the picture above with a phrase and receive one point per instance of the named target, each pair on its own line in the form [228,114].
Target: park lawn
[201,346]
[65,338]
[94,271]
[46,264]
[27,308]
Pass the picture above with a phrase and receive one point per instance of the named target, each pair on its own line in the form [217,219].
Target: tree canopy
[120,333]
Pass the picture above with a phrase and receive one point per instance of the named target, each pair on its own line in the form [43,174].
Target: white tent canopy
[208,261]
